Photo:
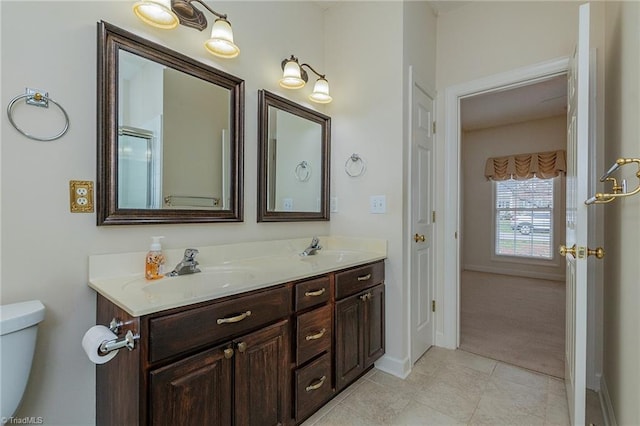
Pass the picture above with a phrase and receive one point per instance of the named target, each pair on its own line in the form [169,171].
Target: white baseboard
[394,366]
[514,272]
[605,404]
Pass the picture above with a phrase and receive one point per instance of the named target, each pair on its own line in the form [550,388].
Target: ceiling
[544,99]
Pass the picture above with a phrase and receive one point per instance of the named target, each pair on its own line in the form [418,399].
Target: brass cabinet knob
[564,250]
[228,353]
[598,252]
[418,238]
[242,346]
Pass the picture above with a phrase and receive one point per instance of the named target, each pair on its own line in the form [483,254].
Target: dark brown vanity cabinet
[359,310]
[312,371]
[267,357]
[220,363]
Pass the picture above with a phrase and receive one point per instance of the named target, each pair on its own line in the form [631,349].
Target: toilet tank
[18,332]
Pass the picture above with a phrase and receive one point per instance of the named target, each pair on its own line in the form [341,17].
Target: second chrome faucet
[188,264]
[312,248]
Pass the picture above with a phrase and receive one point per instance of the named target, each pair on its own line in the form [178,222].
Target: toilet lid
[16,316]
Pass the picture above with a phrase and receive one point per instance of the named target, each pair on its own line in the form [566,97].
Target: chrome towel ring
[303,171]
[41,100]
[355,165]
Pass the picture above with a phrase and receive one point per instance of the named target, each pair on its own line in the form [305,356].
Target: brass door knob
[564,250]
[242,346]
[228,353]
[598,252]
[419,238]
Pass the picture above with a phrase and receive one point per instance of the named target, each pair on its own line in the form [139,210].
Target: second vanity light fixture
[167,14]
[295,77]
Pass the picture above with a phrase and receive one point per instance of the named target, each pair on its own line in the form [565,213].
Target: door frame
[414,81]
[449,334]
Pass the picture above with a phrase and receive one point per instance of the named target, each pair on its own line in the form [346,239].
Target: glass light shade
[291,78]
[221,41]
[156,13]
[321,92]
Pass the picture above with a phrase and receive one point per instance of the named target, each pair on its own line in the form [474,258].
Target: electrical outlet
[81,194]
[378,204]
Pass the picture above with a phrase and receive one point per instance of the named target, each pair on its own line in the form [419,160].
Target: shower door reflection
[139,174]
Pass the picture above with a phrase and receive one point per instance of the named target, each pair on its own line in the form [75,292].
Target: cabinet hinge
[433,125]
[433,306]
[433,216]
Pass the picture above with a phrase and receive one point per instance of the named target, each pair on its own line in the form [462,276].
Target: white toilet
[18,332]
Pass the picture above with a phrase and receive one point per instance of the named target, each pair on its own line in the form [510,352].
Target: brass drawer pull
[317,385]
[364,277]
[317,335]
[315,292]
[237,318]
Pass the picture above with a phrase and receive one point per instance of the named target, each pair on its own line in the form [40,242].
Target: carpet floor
[517,320]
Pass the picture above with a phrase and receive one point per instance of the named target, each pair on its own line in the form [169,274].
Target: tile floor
[449,387]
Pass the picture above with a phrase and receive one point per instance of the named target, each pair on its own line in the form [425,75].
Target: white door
[421,238]
[577,218]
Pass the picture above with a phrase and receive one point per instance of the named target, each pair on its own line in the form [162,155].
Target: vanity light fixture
[167,14]
[295,77]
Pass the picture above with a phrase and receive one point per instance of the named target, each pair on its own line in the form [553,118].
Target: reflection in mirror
[294,161]
[171,135]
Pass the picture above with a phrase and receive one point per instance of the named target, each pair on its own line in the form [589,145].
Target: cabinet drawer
[313,386]
[182,331]
[312,292]
[313,333]
[354,280]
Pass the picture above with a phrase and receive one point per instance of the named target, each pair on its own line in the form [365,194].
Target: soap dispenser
[154,261]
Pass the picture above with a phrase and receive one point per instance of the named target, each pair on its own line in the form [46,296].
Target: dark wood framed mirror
[170,135]
[294,144]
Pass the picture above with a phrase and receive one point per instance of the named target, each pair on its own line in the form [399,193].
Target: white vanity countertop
[226,270]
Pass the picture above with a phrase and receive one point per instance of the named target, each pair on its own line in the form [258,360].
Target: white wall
[370,46]
[44,246]
[621,374]
[480,40]
[477,236]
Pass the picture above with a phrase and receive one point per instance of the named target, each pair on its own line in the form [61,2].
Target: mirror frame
[265,100]
[111,40]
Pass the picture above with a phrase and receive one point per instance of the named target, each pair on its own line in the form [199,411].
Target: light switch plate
[81,196]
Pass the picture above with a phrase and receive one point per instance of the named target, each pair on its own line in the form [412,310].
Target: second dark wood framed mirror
[170,135]
[294,144]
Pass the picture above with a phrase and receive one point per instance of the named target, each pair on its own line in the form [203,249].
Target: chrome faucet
[188,265]
[313,247]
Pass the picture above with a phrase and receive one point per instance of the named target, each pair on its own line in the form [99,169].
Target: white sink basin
[333,256]
[210,280]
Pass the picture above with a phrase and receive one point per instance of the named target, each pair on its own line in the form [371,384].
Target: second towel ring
[355,165]
[37,99]
[303,171]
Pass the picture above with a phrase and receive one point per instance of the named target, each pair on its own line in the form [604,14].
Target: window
[524,218]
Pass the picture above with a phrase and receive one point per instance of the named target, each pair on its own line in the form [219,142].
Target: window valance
[543,165]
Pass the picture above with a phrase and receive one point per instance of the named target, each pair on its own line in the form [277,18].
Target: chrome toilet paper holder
[127,341]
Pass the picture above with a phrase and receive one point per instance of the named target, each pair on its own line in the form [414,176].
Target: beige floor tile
[556,386]
[342,415]
[449,400]
[323,411]
[413,384]
[473,361]
[512,396]
[594,411]
[469,381]
[417,414]
[557,411]
[521,376]
[376,403]
[494,412]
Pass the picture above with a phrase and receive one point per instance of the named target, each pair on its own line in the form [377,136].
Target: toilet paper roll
[92,340]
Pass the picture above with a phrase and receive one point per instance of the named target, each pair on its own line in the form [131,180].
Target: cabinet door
[373,325]
[262,377]
[195,391]
[349,340]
